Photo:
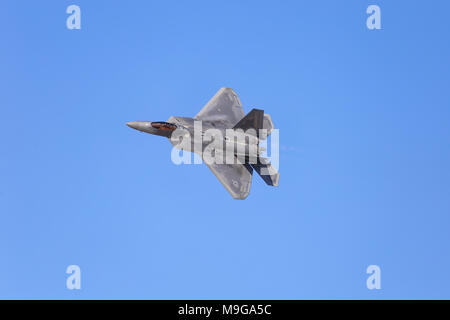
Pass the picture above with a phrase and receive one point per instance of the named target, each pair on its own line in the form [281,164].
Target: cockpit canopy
[164,126]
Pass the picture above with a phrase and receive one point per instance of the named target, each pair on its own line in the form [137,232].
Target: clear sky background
[364,119]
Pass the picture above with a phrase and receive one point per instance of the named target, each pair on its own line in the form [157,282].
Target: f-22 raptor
[239,139]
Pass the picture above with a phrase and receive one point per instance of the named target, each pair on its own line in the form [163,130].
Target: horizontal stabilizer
[267,126]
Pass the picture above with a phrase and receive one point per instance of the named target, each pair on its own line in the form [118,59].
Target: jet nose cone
[144,126]
[133,124]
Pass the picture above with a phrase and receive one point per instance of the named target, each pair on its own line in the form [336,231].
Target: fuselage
[198,136]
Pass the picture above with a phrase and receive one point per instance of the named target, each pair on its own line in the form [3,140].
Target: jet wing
[224,108]
[236,178]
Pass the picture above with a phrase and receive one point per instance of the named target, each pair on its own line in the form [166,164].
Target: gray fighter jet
[224,117]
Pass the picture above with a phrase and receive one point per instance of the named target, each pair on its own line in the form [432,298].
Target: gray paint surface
[223,112]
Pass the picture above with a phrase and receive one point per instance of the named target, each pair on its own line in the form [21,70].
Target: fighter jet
[222,120]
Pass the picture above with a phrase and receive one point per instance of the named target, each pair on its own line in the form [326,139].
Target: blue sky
[364,120]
